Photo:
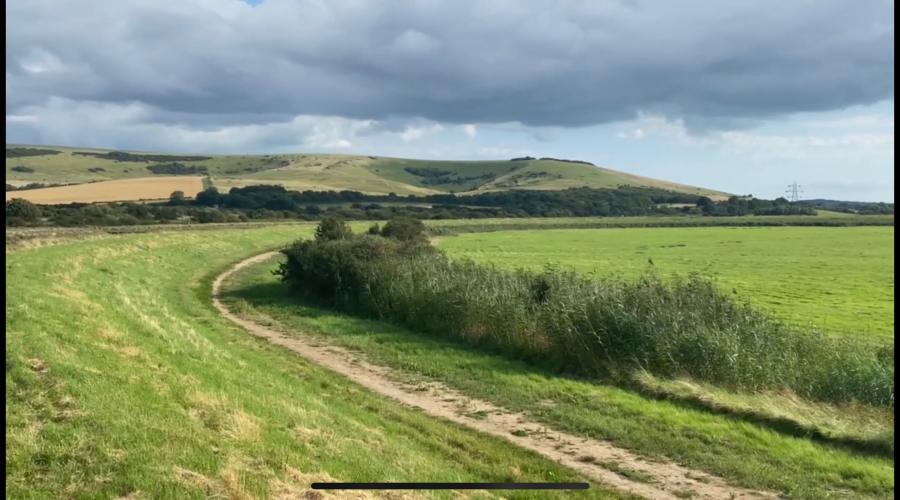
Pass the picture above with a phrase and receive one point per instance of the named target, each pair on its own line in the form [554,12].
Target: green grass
[839,279]
[825,219]
[122,380]
[751,451]
[339,172]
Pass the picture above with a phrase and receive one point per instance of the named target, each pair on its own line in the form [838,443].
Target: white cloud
[803,139]
[130,126]
[470,130]
[637,133]
[794,146]
[646,125]
[412,133]
[500,153]
[38,61]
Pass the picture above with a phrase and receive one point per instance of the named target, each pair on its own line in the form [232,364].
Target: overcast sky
[742,96]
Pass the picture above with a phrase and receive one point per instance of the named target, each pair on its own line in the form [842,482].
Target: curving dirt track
[587,456]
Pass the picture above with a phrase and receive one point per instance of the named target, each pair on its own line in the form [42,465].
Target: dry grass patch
[142,188]
[243,426]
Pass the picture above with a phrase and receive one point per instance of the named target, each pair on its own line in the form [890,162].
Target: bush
[208,215]
[176,168]
[22,210]
[585,326]
[332,228]
[404,229]
[331,268]
[177,198]
[209,197]
[19,152]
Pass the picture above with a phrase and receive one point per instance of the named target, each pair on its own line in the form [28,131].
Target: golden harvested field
[141,188]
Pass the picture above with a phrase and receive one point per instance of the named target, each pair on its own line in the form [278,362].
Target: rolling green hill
[64,165]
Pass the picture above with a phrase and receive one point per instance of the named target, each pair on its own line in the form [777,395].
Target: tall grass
[588,326]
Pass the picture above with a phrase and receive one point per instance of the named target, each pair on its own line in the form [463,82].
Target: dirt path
[593,458]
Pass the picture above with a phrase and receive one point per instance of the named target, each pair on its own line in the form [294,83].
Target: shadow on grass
[277,295]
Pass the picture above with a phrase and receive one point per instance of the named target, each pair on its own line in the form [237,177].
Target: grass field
[760,440]
[339,172]
[142,188]
[839,279]
[122,381]
[99,327]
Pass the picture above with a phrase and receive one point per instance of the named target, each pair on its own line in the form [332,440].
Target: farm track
[584,455]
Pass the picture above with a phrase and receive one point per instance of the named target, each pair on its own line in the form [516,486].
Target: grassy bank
[746,441]
[122,381]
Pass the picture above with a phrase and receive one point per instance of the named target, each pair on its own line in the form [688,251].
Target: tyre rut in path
[669,480]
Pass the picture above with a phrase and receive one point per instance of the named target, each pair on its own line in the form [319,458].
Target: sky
[744,97]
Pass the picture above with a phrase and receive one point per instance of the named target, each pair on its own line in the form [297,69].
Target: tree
[177,198]
[332,228]
[22,209]
[706,205]
[404,229]
[209,197]
[375,229]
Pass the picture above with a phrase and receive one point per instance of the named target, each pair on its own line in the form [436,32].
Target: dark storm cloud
[207,63]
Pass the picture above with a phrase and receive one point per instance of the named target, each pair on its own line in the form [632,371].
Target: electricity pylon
[794,191]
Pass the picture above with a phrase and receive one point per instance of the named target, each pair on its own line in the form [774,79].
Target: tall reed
[588,326]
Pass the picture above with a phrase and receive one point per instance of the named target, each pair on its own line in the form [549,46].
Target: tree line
[275,202]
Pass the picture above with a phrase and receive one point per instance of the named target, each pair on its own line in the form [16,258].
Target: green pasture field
[757,440]
[839,279]
[123,382]
[822,218]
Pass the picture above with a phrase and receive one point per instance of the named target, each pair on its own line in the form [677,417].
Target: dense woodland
[275,202]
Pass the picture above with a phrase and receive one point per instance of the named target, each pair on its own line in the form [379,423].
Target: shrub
[404,229]
[140,157]
[176,168]
[209,197]
[23,210]
[177,198]
[19,152]
[208,215]
[332,228]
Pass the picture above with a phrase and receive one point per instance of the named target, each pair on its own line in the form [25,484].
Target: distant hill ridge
[29,164]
